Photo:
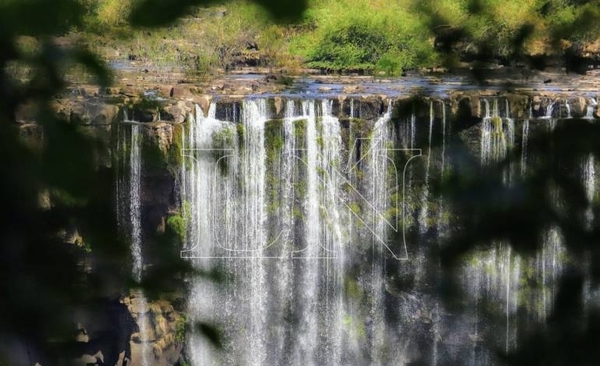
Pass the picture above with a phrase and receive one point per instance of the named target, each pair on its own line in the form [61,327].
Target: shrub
[352,47]
[176,224]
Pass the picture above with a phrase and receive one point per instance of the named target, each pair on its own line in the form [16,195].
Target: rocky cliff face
[113,335]
[165,333]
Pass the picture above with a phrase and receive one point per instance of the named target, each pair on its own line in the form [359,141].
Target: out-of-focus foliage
[60,251]
[550,195]
[488,30]
[50,187]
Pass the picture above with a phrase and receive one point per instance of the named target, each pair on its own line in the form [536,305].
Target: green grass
[365,36]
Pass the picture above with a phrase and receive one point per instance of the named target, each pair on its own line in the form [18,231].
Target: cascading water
[589,113]
[379,191]
[524,140]
[588,172]
[199,172]
[441,222]
[285,249]
[494,143]
[425,194]
[129,216]
[134,203]
[549,110]
[272,204]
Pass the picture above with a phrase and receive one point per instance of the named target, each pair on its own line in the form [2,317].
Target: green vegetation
[180,330]
[273,145]
[176,223]
[240,133]
[223,138]
[300,133]
[153,157]
[176,148]
[223,141]
[497,123]
[60,197]
[364,36]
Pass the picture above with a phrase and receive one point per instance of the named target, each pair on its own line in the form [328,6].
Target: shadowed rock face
[101,336]
[108,331]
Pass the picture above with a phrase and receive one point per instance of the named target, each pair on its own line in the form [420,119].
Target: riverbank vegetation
[364,36]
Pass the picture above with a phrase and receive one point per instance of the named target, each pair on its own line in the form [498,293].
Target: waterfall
[307,334]
[425,193]
[492,277]
[253,235]
[524,140]
[588,173]
[306,242]
[549,268]
[590,108]
[549,109]
[133,223]
[510,143]
[334,237]
[568,108]
[135,164]
[199,172]
[494,144]
[441,222]
[379,191]
[441,231]
[413,130]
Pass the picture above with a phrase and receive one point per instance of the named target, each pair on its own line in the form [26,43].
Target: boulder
[181,91]
[174,113]
[578,107]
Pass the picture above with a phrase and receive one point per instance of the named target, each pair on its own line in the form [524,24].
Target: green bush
[356,46]
[176,224]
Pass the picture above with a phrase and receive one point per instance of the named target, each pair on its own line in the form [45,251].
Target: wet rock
[175,113]
[536,106]
[203,101]
[32,135]
[181,91]
[243,90]
[278,104]
[351,89]
[87,91]
[95,112]
[165,91]
[157,351]
[228,110]
[136,338]
[136,306]
[26,113]
[161,339]
[105,114]
[132,91]
[112,91]
[370,108]
[518,105]
[578,107]
[160,134]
